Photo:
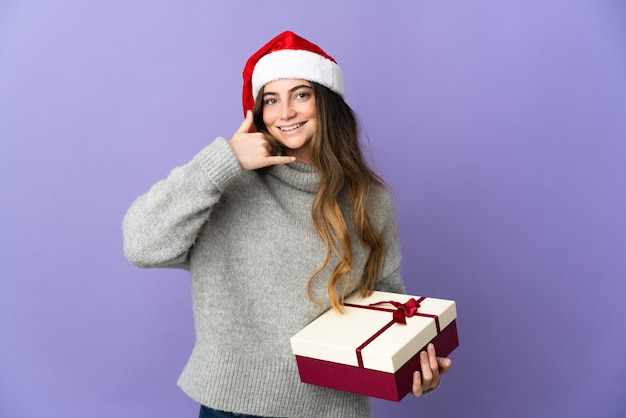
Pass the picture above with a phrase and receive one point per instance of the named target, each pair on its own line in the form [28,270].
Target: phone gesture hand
[252,149]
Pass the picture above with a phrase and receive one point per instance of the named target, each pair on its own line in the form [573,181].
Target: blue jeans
[206,412]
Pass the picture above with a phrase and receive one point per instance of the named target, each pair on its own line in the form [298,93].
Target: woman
[275,225]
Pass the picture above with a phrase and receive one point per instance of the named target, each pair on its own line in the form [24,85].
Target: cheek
[268,118]
[312,117]
[311,112]
[314,128]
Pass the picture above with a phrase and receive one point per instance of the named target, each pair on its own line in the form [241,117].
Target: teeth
[290,128]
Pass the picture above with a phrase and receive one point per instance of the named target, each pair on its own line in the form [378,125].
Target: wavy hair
[337,155]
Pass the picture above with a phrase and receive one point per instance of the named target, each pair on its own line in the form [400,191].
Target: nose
[287,111]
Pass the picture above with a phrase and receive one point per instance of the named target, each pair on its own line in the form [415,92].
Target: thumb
[444,364]
[247,123]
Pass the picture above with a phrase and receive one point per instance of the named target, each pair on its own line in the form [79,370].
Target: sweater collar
[299,175]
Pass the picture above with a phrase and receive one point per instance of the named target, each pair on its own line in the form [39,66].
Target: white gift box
[368,350]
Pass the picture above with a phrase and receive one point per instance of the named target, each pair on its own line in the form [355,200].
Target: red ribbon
[403,310]
[400,313]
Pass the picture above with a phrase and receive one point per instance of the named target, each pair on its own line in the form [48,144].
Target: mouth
[291,127]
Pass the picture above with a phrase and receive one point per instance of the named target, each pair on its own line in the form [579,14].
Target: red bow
[403,310]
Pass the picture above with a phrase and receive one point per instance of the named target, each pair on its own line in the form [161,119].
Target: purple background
[500,126]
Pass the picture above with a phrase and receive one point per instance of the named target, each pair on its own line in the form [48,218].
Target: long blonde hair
[337,155]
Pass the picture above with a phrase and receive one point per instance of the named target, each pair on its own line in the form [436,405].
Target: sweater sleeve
[162,225]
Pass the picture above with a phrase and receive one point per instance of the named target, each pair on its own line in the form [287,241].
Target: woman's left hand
[427,380]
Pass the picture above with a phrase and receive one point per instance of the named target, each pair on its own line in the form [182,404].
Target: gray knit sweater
[248,241]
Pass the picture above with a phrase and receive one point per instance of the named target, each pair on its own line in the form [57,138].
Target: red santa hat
[289,56]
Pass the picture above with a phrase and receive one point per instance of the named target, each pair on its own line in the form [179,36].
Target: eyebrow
[291,90]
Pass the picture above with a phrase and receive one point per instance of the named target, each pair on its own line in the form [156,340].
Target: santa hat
[289,56]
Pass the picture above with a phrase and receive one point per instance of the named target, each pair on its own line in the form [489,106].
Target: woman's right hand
[252,149]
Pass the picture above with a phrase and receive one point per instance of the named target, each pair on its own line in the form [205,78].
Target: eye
[302,96]
[270,101]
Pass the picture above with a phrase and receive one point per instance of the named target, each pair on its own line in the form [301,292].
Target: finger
[427,373]
[444,364]
[246,124]
[417,384]
[275,160]
[434,365]
[432,358]
[441,364]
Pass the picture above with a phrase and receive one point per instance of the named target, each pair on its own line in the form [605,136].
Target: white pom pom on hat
[289,56]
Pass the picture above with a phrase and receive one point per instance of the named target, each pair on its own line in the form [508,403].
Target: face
[290,116]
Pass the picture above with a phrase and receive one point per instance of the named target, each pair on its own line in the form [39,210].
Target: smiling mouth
[291,127]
